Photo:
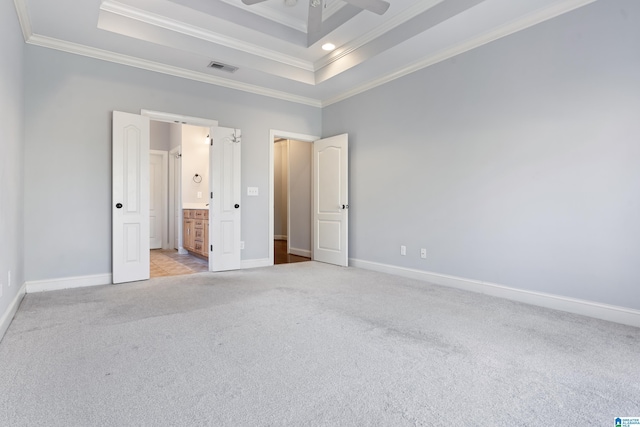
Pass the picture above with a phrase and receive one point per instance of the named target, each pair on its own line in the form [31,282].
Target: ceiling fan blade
[250,2]
[314,24]
[375,6]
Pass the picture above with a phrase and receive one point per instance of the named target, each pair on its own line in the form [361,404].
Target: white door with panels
[331,200]
[130,199]
[224,207]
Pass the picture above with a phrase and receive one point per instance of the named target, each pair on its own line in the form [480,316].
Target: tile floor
[168,262]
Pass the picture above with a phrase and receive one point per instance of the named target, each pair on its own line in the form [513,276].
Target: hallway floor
[282,257]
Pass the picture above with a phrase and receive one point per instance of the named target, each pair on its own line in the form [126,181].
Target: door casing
[273,134]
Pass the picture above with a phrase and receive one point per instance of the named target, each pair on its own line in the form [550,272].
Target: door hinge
[211,250]
[212,194]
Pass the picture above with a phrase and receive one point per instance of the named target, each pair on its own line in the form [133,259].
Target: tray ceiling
[269,43]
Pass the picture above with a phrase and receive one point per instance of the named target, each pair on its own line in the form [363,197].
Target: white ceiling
[268,41]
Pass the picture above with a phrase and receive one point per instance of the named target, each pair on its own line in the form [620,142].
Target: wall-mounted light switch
[252,191]
[199,194]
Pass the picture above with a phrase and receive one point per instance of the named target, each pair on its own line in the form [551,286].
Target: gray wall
[175,135]
[516,163]
[68,107]
[12,157]
[300,154]
[160,136]
[195,160]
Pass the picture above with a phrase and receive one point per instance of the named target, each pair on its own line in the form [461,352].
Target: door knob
[237,206]
[118,205]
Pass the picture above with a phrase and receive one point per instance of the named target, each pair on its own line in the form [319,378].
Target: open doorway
[330,199]
[178,199]
[276,136]
[292,200]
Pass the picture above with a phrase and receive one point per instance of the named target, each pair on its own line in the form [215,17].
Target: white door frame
[184,120]
[178,118]
[175,173]
[165,188]
[273,133]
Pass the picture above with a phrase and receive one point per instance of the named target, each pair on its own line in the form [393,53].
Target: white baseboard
[612,313]
[7,316]
[68,283]
[255,263]
[300,252]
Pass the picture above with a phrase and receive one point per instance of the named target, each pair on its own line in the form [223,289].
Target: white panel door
[130,197]
[224,207]
[330,200]
[156,206]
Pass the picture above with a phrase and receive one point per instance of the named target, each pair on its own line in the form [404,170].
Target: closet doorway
[292,200]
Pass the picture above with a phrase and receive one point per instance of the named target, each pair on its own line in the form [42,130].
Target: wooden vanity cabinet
[196,231]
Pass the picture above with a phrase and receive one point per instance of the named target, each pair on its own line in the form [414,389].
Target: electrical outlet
[199,195]
[403,250]
[241,245]
[423,253]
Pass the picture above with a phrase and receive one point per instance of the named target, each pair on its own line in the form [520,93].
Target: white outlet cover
[252,191]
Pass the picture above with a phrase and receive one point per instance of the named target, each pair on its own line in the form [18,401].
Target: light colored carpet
[309,345]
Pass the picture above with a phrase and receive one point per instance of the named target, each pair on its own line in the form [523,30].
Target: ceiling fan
[315,10]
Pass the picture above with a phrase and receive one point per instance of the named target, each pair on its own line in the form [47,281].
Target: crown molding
[139,15]
[144,64]
[23,18]
[527,21]
[389,25]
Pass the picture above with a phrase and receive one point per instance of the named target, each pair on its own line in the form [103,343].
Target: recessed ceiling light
[328,47]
